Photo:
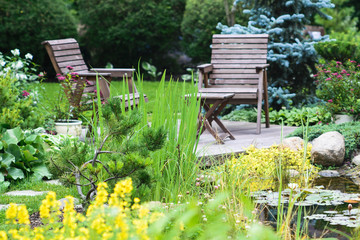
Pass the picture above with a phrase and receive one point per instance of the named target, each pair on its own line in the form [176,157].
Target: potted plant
[70,105]
[338,84]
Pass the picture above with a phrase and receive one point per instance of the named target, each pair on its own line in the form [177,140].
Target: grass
[49,91]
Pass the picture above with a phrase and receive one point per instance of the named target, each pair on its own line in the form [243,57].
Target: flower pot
[342,118]
[71,127]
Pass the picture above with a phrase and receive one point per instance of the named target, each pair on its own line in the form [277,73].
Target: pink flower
[58,74]
[40,75]
[352,110]
[334,74]
[358,65]
[328,79]
[25,93]
[216,187]
[339,76]
[348,74]
[74,73]
[197,184]
[69,67]
[352,89]
[352,61]
[319,122]
[330,100]
[343,71]
[316,75]
[338,63]
[61,78]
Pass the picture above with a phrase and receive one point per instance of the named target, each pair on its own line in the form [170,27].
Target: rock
[294,143]
[356,160]
[328,149]
[25,193]
[64,200]
[293,173]
[329,173]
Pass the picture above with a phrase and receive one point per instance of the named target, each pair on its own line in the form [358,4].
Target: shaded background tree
[121,32]
[24,24]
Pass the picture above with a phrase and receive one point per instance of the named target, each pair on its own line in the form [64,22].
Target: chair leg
[266,101]
[259,108]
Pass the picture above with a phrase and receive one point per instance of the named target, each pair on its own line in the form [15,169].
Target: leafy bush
[339,86]
[143,29]
[17,108]
[350,131]
[21,155]
[290,117]
[338,50]
[260,167]
[26,24]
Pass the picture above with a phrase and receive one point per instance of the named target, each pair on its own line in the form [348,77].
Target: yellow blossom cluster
[259,168]
[114,217]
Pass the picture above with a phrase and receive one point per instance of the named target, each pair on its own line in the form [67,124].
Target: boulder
[329,173]
[328,149]
[294,143]
[356,160]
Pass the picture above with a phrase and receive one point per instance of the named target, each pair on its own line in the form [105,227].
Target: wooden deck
[245,135]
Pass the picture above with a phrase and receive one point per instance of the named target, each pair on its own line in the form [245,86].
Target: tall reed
[175,166]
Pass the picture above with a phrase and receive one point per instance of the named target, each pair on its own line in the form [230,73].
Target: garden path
[245,135]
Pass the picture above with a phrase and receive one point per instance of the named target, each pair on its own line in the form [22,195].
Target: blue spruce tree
[291,56]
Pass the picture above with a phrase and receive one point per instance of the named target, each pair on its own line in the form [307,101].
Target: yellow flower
[123,187]
[155,216]
[11,212]
[143,212]
[3,235]
[23,215]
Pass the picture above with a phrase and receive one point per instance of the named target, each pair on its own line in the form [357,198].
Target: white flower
[15,52]
[2,63]
[293,186]
[29,56]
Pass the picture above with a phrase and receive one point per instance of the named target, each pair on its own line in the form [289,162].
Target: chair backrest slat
[235,58]
[63,53]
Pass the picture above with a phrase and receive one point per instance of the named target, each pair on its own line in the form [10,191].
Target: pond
[325,207]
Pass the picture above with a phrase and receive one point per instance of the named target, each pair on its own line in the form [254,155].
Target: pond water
[324,208]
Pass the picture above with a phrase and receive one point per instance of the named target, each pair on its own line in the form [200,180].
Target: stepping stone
[25,193]
[54,182]
[4,207]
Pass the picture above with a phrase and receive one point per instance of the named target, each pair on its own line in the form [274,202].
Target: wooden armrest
[93,74]
[115,72]
[261,67]
[205,68]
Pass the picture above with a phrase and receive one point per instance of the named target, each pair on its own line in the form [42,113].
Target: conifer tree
[292,58]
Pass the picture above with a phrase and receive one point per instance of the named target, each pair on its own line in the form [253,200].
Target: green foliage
[338,50]
[24,25]
[17,108]
[21,155]
[259,167]
[339,86]
[299,117]
[151,70]
[341,17]
[350,131]
[121,32]
[198,26]
[290,117]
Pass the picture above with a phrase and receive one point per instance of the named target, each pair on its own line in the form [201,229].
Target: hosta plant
[21,155]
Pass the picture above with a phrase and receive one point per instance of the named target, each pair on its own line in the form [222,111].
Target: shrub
[143,29]
[260,167]
[338,50]
[21,155]
[338,85]
[350,131]
[17,108]
[24,25]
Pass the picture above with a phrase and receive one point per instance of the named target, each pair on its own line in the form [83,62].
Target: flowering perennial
[111,217]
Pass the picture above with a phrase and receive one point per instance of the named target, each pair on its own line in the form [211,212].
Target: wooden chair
[238,65]
[66,52]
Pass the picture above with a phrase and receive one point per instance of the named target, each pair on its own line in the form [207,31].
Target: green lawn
[50,91]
